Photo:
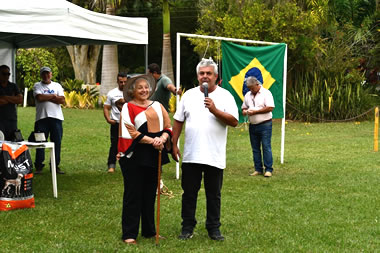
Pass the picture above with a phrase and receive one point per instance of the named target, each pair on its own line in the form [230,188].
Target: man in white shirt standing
[49,97]
[207,118]
[111,111]
[258,105]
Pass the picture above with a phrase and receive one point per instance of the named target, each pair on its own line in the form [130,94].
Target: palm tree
[110,64]
[166,62]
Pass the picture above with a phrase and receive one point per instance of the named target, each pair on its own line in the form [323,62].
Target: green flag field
[266,63]
[324,198]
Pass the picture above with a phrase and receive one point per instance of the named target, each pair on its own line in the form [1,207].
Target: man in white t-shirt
[111,111]
[207,118]
[49,96]
[258,105]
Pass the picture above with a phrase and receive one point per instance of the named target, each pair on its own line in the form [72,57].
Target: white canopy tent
[47,23]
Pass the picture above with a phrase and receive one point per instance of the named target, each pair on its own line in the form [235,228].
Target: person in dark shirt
[10,96]
[164,86]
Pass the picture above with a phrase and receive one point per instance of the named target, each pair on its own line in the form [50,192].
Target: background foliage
[79,95]
[332,46]
[184,15]
[29,63]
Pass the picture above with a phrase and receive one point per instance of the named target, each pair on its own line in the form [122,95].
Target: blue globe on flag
[252,72]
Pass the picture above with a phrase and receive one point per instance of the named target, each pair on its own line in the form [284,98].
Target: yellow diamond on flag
[238,80]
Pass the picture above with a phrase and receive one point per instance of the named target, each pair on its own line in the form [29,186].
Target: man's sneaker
[268,174]
[111,170]
[59,171]
[185,235]
[39,168]
[256,173]
[216,235]
[38,171]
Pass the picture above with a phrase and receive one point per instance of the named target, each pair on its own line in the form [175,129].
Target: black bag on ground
[15,178]
[18,136]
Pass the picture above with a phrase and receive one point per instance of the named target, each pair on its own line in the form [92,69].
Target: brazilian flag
[266,63]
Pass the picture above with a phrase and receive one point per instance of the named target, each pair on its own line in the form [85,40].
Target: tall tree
[254,20]
[166,62]
[110,64]
[84,59]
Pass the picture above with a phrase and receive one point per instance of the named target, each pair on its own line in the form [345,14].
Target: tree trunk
[167,62]
[110,64]
[84,59]
[110,69]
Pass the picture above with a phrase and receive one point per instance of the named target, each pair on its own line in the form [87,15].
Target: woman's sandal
[130,241]
[159,237]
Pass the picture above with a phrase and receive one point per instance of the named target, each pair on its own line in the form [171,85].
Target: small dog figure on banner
[15,182]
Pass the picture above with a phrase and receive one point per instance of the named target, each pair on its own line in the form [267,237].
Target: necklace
[145,103]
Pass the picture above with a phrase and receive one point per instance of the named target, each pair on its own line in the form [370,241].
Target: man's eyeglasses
[5,73]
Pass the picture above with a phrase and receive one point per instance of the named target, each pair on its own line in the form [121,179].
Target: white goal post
[178,76]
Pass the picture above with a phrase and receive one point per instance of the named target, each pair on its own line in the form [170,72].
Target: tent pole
[226,39]
[178,80]
[284,105]
[14,50]
[146,58]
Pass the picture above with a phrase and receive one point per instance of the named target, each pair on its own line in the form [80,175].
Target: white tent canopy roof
[44,23]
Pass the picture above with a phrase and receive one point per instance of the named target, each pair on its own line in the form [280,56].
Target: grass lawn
[324,198]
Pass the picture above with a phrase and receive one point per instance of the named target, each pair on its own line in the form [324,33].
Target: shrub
[29,61]
[72,85]
[71,100]
[315,98]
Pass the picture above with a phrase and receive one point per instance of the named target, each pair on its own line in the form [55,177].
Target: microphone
[205,88]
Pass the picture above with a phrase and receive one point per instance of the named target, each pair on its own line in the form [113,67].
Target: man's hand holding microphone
[208,101]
